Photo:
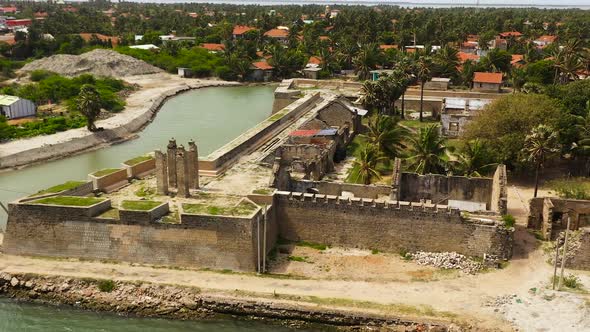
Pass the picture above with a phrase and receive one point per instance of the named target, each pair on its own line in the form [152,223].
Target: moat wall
[389,227]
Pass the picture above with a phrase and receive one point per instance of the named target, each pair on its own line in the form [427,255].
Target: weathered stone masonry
[387,226]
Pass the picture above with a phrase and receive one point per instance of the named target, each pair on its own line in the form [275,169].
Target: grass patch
[110,214]
[571,282]
[106,286]
[244,208]
[375,251]
[300,259]
[262,191]
[145,192]
[277,116]
[317,246]
[105,171]
[573,188]
[139,205]
[69,200]
[137,160]
[171,218]
[60,187]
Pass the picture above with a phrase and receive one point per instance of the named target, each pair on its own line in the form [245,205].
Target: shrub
[106,286]
[38,75]
[509,220]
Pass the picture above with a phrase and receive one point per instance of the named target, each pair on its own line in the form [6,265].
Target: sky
[584,3]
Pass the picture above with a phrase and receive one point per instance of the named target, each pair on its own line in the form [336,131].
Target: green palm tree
[446,62]
[539,145]
[473,159]
[581,147]
[386,135]
[364,168]
[423,73]
[89,104]
[427,151]
[366,60]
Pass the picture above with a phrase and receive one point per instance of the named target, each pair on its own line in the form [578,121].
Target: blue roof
[327,132]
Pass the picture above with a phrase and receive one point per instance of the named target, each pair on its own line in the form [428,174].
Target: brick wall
[109,181]
[375,225]
[141,169]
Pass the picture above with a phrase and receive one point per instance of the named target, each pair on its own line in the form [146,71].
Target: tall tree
[427,151]
[366,60]
[423,73]
[540,144]
[89,103]
[473,159]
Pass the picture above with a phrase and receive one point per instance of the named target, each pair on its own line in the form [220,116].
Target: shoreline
[149,300]
[142,107]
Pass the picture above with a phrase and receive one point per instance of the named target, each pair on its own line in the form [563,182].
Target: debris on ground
[99,62]
[447,261]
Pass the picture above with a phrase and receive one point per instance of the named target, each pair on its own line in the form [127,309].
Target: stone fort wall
[389,227]
[216,242]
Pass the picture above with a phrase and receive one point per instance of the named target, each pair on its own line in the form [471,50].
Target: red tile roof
[510,34]
[9,39]
[304,133]
[263,65]
[104,38]
[213,47]
[241,29]
[546,39]
[316,60]
[387,47]
[516,58]
[481,77]
[277,33]
[463,57]
[19,22]
[9,9]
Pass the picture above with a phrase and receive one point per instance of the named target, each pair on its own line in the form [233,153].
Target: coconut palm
[539,145]
[473,159]
[386,135]
[446,62]
[89,104]
[366,60]
[423,73]
[427,151]
[364,168]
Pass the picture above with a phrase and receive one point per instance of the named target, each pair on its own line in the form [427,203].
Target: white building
[14,107]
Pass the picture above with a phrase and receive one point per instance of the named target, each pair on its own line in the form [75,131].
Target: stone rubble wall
[387,226]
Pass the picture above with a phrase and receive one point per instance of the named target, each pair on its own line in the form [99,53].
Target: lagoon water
[210,116]
[24,317]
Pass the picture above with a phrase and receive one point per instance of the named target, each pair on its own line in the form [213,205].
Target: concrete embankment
[142,106]
[175,302]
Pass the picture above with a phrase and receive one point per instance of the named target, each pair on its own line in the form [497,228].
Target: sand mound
[98,62]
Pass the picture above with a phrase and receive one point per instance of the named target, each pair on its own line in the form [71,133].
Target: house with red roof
[489,82]
[240,30]
[261,71]
[545,40]
[213,48]
[384,47]
[510,34]
[517,60]
[103,38]
[282,35]
[18,23]
[464,57]
[8,10]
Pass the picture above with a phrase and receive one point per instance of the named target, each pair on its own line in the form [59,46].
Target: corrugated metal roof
[304,133]
[455,103]
[327,132]
[478,104]
[6,100]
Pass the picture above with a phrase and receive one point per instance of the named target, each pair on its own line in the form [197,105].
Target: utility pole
[555,262]
[563,258]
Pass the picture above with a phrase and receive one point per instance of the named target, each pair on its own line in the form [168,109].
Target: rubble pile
[447,260]
[99,62]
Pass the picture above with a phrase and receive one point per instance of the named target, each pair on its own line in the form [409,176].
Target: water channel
[210,116]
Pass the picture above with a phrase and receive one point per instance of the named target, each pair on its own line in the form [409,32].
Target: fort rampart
[387,226]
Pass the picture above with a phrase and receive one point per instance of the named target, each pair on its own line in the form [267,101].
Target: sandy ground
[362,276]
[151,87]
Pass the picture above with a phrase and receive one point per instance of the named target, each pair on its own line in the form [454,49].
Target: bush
[509,220]
[38,75]
[106,286]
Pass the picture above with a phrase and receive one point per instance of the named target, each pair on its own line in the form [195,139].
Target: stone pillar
[182,172]
[161,173]
[193,153]
[171,160]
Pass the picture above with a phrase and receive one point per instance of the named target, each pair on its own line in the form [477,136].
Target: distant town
[352,166]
